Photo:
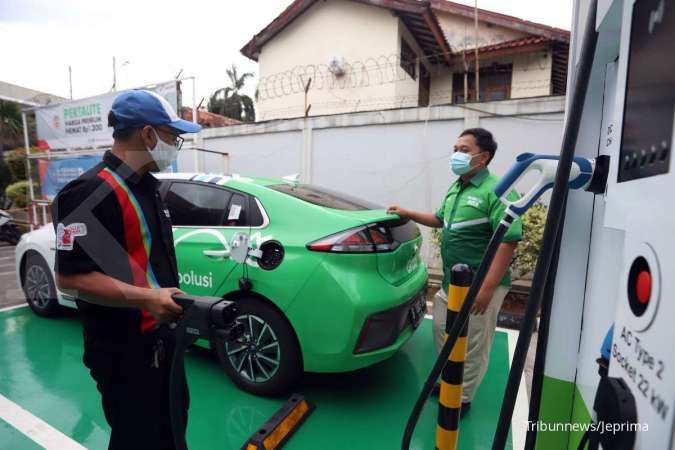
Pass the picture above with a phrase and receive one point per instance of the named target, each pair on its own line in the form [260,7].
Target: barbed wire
[373,71]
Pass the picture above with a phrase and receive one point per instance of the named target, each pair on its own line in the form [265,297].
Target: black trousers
[132,376]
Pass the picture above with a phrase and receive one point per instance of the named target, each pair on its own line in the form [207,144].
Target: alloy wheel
[37,286]
[256,356]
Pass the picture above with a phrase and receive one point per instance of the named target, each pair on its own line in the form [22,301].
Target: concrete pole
[306,157]
[28,171]
[70,81]
[475,24]
[114,87]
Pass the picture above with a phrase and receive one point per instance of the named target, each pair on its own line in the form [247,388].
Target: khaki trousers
[480,335]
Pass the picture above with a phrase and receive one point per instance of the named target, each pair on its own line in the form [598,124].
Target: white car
[35,254]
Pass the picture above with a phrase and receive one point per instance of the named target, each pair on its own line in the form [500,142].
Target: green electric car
[336,284]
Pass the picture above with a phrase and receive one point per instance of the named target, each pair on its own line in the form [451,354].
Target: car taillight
[366,239]
[382,238]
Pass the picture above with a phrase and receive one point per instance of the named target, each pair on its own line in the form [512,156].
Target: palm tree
[230,102]
[10,122]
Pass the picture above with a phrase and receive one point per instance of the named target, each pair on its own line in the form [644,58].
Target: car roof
[218,178]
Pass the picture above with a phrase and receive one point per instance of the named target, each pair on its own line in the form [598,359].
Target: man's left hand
[482,301]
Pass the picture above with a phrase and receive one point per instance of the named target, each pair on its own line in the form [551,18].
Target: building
[25,96]
[323,57]
[207,119]
[20,97]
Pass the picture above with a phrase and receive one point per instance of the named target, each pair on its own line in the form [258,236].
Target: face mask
[460,163]
[163,154]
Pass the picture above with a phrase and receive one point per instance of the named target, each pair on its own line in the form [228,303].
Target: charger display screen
[647,140]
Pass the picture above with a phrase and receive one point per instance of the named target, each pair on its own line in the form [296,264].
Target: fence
[398,156]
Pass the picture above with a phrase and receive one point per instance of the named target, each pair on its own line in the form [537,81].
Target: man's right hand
[160,304]
[398,211]
[427,219]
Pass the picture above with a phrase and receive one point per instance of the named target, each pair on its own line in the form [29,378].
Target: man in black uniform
[115,254]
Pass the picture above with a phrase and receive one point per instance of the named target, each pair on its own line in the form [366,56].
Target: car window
[243,211]
[325,197]
[194,204]
[255,215]
[237,212]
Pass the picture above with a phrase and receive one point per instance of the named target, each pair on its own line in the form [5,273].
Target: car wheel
[266,360]
[38,286]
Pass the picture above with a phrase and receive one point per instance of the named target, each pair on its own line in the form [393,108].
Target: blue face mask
[460,163]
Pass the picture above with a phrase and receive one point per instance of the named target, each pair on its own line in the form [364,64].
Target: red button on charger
[643,286]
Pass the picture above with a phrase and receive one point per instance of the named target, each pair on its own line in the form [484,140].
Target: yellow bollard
[450,397]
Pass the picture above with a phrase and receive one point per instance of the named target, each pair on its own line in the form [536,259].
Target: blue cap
[138,108]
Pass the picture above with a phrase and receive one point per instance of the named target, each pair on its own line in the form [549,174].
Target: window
[408,59]
[196,205]
[243,211]
[324,197]
[237,212]
[495,84]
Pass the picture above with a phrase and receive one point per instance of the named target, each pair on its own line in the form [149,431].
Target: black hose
[177,383]
[457,325]
[554,224]
[583,441]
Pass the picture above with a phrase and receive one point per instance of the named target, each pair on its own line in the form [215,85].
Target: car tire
[38,286]
[266,361]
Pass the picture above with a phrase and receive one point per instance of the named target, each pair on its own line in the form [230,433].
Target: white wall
[531,74]
[398,156]
[459,31]
[441,86]
[363,35]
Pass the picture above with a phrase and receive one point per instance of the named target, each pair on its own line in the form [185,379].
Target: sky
[153,40]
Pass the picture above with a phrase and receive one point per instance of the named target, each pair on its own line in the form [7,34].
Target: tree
[230,102]
[10,123]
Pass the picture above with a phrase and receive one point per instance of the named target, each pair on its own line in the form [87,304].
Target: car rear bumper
[383,328]
[332,308]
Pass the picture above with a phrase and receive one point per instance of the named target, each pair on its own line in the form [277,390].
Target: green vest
[470,213]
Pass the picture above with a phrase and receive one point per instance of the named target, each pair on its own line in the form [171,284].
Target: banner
[84,123]
[56,173]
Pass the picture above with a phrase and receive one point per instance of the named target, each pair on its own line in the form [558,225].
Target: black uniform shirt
[109,220]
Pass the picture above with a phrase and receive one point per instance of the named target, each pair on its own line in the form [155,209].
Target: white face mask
[163,154]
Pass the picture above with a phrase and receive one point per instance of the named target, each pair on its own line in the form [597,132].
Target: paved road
[10,294]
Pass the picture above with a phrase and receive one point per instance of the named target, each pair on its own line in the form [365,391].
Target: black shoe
[465,409]
[436,391]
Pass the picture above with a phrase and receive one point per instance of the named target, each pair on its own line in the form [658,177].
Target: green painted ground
[41,370]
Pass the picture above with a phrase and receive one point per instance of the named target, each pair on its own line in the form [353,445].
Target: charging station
[617,254]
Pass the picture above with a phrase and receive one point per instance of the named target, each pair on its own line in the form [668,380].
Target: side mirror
[239,247]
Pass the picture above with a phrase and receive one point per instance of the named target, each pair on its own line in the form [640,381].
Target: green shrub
[5,180]
[527,254]
[436,236]
[17,194]
[16,162]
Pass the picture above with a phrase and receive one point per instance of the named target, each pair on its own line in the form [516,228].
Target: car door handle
[216,253]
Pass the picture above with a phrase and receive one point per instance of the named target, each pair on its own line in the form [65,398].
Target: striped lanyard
[137,236]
